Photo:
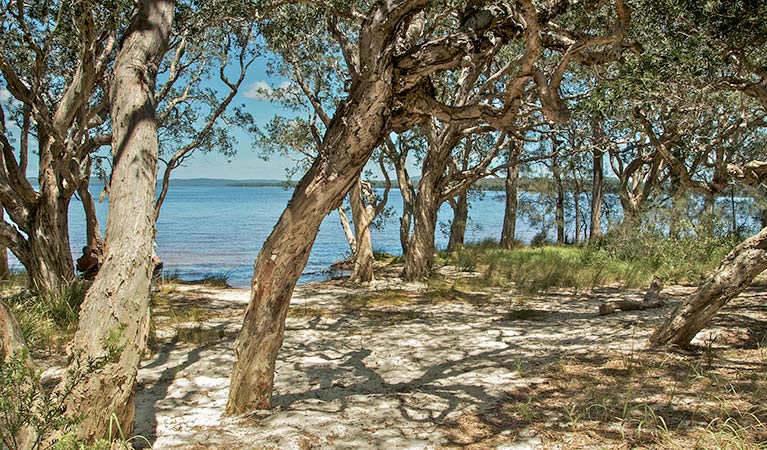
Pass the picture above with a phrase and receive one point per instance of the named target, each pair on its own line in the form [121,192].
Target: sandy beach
[445,365]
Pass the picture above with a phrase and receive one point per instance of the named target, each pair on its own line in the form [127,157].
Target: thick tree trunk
[12,343]
[458,226]
[50,265]
[357,127]
[597,196]
[420,254]
[363,216]
[734,274]
[510,211]
[115,314]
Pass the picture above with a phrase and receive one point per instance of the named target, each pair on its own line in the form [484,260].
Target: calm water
[214,230]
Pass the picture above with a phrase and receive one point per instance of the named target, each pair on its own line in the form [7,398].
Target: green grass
[631,260]
[48,319]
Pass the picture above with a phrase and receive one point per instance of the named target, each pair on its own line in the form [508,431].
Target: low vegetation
[629,260]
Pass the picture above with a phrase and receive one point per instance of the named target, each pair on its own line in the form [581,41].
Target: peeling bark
[460,207]
[115,314]
[357,127]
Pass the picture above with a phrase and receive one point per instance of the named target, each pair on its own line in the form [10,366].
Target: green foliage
[26,405]
[114,343]
[649,252]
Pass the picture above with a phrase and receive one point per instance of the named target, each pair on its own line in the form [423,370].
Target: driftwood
[650,300]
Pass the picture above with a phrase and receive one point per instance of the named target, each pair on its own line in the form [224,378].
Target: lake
[218,230]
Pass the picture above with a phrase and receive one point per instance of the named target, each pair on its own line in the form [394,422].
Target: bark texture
[420,248]
[115,314]
[597,196]
[460,206]
[357,127]
[734,274]
[510,210]
[92,232]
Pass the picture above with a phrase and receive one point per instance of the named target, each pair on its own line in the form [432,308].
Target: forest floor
[455,364]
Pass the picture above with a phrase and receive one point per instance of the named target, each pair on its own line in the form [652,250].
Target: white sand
[382,378]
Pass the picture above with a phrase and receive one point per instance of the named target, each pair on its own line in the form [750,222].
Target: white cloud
[261,90]
[4,95]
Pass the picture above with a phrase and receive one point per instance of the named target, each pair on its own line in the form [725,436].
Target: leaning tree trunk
[458,225]
[358,126]
[733,275]
[363,256]
[510,211]
[115,314]
[12,344]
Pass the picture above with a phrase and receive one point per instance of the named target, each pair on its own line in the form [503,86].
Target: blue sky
[246,164]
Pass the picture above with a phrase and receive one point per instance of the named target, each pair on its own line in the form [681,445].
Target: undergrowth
[626,258]
[49,319]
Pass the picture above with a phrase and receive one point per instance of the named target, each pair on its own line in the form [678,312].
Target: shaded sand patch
[397,365]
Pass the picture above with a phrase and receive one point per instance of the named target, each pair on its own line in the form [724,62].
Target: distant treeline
[525,184]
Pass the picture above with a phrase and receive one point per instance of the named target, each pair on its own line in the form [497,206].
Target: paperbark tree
[355,130]
[210,44]
[389,87]
[114,318]
[460,207]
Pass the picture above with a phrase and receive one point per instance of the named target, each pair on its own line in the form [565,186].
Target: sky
[246,164]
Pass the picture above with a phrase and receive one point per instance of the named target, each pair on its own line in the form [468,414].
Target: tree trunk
[458,226]
[362,214]
[348,232]
[357,127]
[50,266]
[577,209]
[12,343]
[559,211]
[420,254]
[92,231]
[733,275]
[597,196]
[4,269]
[115,314]
[408,204]
[510,211]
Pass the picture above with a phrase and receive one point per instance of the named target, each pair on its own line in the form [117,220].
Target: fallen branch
[650,300]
